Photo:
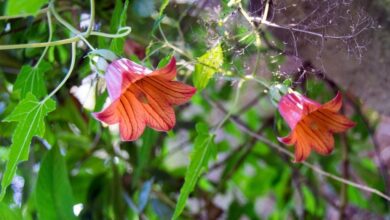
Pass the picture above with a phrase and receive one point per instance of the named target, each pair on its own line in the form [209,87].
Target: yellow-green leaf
[208,64]
[24,7]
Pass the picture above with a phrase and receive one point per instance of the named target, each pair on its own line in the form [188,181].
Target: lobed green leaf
[31,79]
[203,151]
[29,114]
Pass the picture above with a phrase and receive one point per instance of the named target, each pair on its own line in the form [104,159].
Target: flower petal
[289,139]
[120,74]
[294,106]
[109,115]
[302,149]
[168,72]
[317,138]
[335,104]
[159,115]
[132,121]
[175,93]
[334,122]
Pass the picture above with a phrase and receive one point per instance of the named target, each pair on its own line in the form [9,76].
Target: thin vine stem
[231,111]
[49,24]
[64,41]
[72,62]
[309,165]
[91,18]
[82,36]
[188,56]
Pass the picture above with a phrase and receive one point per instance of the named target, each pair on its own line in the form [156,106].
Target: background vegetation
[222,159]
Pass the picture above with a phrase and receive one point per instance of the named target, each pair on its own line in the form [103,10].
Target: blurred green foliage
[79,169]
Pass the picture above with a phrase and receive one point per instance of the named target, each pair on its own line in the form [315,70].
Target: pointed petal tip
[282,139]
[96,115]
[287,140]
[335,103]
[130,139]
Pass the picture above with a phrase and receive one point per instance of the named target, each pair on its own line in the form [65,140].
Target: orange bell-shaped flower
[142,97]
[312,124]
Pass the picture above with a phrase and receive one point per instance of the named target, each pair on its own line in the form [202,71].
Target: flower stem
[231,111]
[82,36]
[72,62]
[49,40]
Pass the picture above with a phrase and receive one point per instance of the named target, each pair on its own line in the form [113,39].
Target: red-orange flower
[312,124]
[142,97]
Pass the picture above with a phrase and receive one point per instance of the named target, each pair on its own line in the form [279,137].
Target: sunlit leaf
[208,64]
[310,200]
[163,6]
[29,114]
[200,156]
[7,213]
[24,7]
[31,79]
[54,198]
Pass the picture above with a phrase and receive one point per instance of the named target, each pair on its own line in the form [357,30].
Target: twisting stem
[64,41]
[72,62]
[43,44]
[248,18]
[49,40]
[82,36]
[79,35]
[91,19]
[266,10]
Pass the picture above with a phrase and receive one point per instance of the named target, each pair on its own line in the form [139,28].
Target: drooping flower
[312,124]
[142,97]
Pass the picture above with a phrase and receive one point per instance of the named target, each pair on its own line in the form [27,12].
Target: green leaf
[106,54]
[203,151]
[160,17]
[115,22]
[144,154]
[54,198]
[24,7]
[208,64]
[6,213]
[163,62]
[117,44]
[310,200]
[31,79]
[163,6]
[29,114]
